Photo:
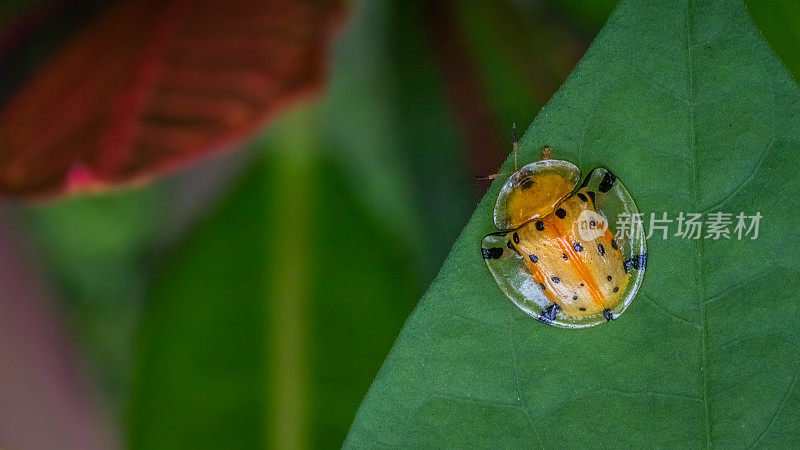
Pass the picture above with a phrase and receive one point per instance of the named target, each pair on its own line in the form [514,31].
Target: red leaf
[150,85]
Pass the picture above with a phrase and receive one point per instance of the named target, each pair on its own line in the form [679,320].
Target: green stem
[288,331]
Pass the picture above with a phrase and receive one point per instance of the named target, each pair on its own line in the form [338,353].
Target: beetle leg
[638,262]
[549,313]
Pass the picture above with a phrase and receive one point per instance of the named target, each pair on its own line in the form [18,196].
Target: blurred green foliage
[99,251]
[282,305]
[284,265]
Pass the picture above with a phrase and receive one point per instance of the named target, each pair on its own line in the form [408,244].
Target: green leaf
[687,104]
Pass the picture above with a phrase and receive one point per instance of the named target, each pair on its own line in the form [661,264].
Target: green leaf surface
[688,105]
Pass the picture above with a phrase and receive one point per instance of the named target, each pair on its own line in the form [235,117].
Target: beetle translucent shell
[556,255]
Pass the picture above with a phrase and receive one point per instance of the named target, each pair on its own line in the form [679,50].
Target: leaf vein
[666,311]
[746,182]
[695,185]
[777,410]
[738,285]
[655,393]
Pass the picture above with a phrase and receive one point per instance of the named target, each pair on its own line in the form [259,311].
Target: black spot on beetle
[574,297]
[526,184]
[533,258]
[582,309]
[591,195]
[582,284]
[608,278]
[607,315]
[616,289]
[492,253]
[539,225]
[564,255]
[555,279]
[582,197]
[601,249]
[515,236]
[614,244]
[541,285]
[638,262]
[560,213]
[608,182]
[577,246]
[511,246]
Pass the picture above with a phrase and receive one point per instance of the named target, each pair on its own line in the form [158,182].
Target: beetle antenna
[514,147]
[514,143]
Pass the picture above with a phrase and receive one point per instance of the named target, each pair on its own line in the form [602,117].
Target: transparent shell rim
[636,245]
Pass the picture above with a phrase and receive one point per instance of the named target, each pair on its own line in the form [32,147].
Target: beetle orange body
[557,257]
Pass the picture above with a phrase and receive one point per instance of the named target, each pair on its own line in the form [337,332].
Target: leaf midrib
[700,269]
